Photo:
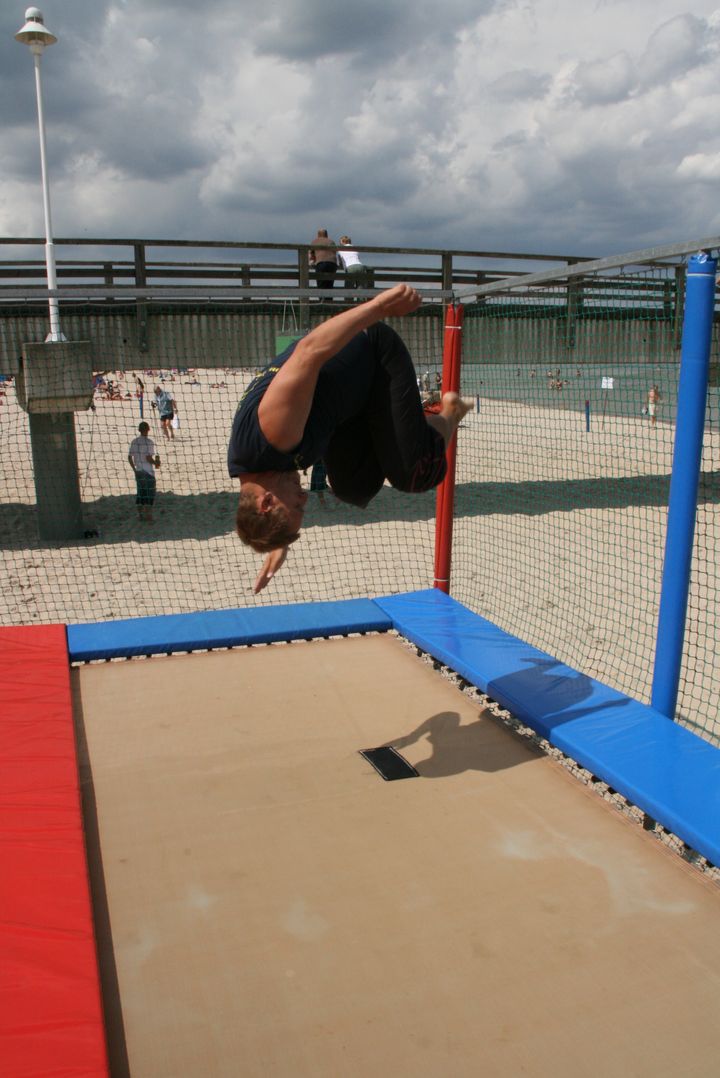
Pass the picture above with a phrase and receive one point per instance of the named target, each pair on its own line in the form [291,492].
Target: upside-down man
[346,392]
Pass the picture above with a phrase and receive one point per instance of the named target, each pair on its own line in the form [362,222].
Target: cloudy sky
[566,126]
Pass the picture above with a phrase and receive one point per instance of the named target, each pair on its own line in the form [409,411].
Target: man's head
[144,429]
[345,240]
[158,391]
[270,510]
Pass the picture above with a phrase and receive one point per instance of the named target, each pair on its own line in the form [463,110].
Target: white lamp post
[35,34]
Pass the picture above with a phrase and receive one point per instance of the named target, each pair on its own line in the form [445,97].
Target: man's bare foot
[455,407]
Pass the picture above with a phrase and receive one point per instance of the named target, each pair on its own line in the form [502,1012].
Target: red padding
[51,1020]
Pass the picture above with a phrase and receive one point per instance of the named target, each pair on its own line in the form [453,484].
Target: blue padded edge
[664,769]
[222,628]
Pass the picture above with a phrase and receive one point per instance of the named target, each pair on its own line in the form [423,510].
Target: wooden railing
[146,262]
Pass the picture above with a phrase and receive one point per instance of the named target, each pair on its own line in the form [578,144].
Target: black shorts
[390,439]
[145,487]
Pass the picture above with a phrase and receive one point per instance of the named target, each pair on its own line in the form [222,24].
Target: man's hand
[402,299]
[274,561]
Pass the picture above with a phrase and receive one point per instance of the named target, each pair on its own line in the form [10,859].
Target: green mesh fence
[563,479]
[189,558]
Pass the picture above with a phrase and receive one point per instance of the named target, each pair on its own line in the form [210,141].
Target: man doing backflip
[346,393]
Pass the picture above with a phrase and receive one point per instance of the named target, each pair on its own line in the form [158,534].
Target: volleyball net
[562,477]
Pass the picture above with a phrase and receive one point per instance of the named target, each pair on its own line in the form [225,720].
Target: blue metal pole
[687,457]
[587,415]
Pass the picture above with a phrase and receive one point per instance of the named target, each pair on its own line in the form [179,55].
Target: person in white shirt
[167,409]
[356,274]
[144,460]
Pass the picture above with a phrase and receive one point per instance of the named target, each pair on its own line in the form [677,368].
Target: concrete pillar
[53,382]
[55,471]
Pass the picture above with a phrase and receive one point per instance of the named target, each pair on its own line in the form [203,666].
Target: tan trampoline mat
[276,908]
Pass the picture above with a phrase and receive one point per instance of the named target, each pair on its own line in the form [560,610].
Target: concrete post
[55,471]
[54,381]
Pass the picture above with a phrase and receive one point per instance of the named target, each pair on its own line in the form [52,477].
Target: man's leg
[410,446]
[353,470]
[139,493]
[150,498]
[325,272]
[411,453]
[145,494]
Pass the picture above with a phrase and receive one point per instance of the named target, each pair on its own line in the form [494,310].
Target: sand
[559,532]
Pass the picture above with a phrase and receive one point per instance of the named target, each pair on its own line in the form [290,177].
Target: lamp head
[34,33]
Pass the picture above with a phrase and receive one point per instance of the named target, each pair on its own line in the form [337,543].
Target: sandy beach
[559,532]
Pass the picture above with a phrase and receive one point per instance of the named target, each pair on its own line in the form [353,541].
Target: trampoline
[265,902]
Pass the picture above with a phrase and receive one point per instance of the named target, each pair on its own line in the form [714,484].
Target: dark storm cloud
[375,30]
[465,123]
[519,85]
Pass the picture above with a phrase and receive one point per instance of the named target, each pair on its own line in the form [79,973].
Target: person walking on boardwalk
[144,460]
[346,393]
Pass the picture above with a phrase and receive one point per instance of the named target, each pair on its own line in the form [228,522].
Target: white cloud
[605,81]
[673,49]
[700,166]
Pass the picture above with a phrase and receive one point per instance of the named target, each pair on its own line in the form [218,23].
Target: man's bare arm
[284,410]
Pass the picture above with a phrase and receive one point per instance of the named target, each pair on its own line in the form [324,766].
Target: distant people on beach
[653,399]
[323,259]
[144,460]
[167,410]
[356,274]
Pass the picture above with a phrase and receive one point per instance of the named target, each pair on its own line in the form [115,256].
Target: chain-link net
[188,558]
[564,474]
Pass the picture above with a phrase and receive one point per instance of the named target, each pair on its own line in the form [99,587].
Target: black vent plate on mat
[388,763]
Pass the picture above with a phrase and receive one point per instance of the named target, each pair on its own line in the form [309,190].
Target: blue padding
[665,770]
[223,628]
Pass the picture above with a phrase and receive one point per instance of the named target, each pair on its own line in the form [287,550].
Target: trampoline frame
[668,772]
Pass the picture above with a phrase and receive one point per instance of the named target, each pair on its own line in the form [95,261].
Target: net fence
[188,559]
[564,475]
[562,472]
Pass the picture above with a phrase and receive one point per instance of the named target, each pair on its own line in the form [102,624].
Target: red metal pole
[440,492]
[445,498]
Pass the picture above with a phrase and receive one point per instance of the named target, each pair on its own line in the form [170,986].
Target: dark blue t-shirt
[343,388]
